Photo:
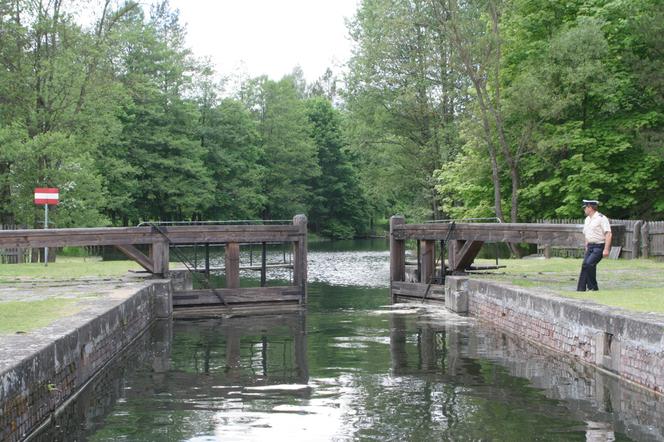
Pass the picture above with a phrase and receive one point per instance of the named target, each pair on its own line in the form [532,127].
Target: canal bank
[41,369]
[629,345]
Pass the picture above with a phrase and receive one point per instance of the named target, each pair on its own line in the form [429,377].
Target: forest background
[515,109]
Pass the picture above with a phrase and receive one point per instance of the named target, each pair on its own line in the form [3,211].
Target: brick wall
[36,386]
[630,345]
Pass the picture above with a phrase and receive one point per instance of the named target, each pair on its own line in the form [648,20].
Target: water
[351,367]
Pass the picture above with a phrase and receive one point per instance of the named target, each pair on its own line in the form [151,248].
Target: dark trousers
[588,276]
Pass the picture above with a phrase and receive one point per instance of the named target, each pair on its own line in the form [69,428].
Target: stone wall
[630,345]
[36,386]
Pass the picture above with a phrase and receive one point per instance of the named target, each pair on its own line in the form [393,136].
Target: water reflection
[398,372]
[492,368]
[150,354]
[352,367]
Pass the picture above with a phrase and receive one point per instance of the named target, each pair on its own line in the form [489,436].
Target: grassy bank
[37,307]
[636,285]
[66,268]
[21,317]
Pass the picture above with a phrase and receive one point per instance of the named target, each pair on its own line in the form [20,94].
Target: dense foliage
[130,126]
[522,107]
[507,108]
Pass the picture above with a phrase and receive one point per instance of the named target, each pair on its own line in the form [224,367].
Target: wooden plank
[427,258]
[232,263]
[263,268]
[615,252]
[211,299]
[632,239]
[416,289]
[411,298]
[239,295]
[645,240]
[216,311]
[138,256]
[397,250]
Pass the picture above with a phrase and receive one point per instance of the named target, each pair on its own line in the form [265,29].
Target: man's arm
[607,243]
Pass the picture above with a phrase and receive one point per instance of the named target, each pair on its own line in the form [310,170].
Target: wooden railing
[159,238]
[463,242]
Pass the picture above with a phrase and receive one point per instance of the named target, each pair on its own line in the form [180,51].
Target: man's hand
[608,236]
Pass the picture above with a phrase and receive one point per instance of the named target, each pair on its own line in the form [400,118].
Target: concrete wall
[181,280]
[36,386]
[630,345]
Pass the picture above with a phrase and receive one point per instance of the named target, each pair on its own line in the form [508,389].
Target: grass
[21,317]
[66,268]
[24,316]
[636,285]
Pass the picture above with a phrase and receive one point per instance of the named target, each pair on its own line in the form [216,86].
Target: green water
[350,367]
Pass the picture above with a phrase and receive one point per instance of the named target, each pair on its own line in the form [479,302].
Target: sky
[269,37]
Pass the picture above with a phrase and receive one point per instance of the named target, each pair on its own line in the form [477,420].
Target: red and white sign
[47,195]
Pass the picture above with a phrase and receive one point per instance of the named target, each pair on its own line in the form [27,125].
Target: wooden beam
[300,256]
[263,264]
[553,234]
[466,255]
[397,250]
[159,252]
[147,235]
[232,262]
[453,247]
[427,258]
[133,253]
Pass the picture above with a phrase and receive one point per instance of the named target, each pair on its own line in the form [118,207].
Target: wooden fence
[642,239]
[14,255]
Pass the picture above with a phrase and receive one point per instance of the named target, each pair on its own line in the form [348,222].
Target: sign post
[46,196]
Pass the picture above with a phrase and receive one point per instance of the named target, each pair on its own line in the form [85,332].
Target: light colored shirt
[595,227]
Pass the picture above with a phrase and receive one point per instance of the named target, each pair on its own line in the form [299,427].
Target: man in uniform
[597,233]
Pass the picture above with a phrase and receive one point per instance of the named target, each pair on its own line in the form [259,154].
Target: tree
[403,96]
[577,113]
[230,137]
[160,157]
[289,154]
[46,92]
[337,206]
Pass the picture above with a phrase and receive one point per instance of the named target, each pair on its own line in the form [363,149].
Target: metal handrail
[232,221]
[494,218]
